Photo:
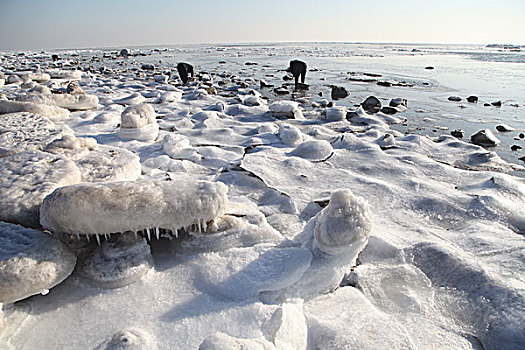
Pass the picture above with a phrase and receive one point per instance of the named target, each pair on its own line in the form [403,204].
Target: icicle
[135,232]
[78,236]
[87,236]
[157,233]
[149,235]
[205,225]
[98,239]
[176,233]
[199,225]
[106,235]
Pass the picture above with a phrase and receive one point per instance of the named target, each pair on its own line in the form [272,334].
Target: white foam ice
[54,113]
[67,101]
[286,109]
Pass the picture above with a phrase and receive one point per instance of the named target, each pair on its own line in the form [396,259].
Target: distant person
[297,68]
[184,70]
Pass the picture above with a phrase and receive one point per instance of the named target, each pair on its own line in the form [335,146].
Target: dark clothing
[298,68]
[184,70]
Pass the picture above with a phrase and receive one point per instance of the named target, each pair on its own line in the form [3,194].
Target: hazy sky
[37,24]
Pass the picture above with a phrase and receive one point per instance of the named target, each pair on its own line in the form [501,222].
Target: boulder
[485,138]
[496,103]
[504,128]
[124,53]
[458,133]
[371,105]
[472,99]
[339,92]
[388,110]
[454,98]
[139,123]
[398,101]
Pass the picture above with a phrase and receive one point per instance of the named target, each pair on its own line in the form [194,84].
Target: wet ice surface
[336,231]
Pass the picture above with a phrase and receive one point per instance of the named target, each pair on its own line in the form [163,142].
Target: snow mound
[24,132]
[133,99]
[345,223]
[65,74]
[178,147]
[129,339]
[286,109]
[31,262]
[334,114]
[485,138]
[97,163]
[132,206]
[27,178]
[119,261]
[223,341]
[313,150]
[67,101]
[54,113]
[139,123]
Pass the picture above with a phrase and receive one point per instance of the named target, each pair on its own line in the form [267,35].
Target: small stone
[522,159]
[287,77]
[458,133]
[281,91]
[472,99]
[388,110]
[264,84]
[147,67]
[454,98]
[124,53]
[521,135]
[384,83]
[515,147]
[496,103]
[486,104]
[485,138]
[398,101]
[429,67]
[371,105]
[339,92]
[504,128]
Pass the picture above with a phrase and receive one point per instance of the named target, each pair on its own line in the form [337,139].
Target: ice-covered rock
[119,261]
[65,74]
[290,134]
[371,105]
[334,114]
[31,262]
[25,131]
[132,206]
[34,76]
[223,341]
[68,101]
[179,147]
[286,109]
[129,339]
[54,113]
[28,177]
[139,123]
[97,162]
[314,150]
[485,138]
[344,224]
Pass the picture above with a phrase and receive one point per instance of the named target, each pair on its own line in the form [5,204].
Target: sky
[48,24]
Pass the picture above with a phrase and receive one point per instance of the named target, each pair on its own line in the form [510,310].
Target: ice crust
[54,113]
[31,262]
[67,101]
[110,207]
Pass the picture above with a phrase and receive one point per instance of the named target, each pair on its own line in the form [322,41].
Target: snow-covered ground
[138,212]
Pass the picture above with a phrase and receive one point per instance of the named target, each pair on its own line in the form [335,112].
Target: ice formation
[24,132]
[103,208]
[54,113]
[28,177]
[139,123]
[485,138]
[345,223]
[119,261]
[334,114]
[31,262]
[286,109]
[290,135]
[133,99]
[129,339]
[67,101]
[313,150]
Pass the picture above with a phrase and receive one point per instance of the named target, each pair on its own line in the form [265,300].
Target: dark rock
[504,128]
[124,53]
[339,92]
[55,58]
[281,91]
[250,64]
[487,104]
[472,99]
[458,133]
[222,62]
[287,78]
[398,101]
[374,75]
[454,98]
[351,114]
[429,67]
[264,84]
[301,86]
[371,105]
[330,104]
[484,138]
[515,147]
[521,135]
[522,159]
[147,66]
[388,110]
[496,103]
[384,83]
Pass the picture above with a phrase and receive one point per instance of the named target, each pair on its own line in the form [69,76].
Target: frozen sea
[137,212]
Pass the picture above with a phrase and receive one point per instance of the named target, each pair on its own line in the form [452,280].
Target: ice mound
[313,150]
[54,113]
[346,222]
[110,207]
[139,123]
[178,147]
[243,273]
[97,162]
[223,341]
[133,99]
[24,132]
[27,178]
[34,76]
[65,74]
[31,262]
[67,101]
[129,339]
[286,109]
[290,135]
[119,261]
